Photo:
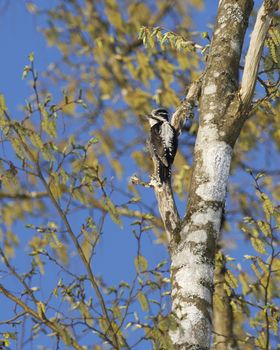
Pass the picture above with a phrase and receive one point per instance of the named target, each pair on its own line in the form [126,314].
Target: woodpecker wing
[158,144]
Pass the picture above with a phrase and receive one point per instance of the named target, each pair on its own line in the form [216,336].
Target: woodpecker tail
[164,173]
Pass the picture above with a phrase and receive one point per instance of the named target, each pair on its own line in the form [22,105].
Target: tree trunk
[224,106]
[222,310]
[193,258]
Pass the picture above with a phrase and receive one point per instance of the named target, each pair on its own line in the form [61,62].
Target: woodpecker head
[159,115]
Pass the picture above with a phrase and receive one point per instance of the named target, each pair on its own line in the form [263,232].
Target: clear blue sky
[19,36]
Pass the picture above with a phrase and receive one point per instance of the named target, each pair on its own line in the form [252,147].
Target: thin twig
[62,331]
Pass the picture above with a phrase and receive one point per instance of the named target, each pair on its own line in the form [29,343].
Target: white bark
[254,53]
[216,159]
[223,110]
[192,267]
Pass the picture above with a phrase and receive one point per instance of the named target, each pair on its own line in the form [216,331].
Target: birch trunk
[223,111]
[193,258]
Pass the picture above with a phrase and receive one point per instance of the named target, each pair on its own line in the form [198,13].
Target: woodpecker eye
[160,113]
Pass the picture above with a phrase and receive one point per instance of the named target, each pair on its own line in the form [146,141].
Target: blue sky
[19,36]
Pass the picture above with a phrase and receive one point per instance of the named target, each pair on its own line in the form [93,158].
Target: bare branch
[185,110]
[13,320]
[18,277]
[168,211]
[166,204]
[135,180]
[254,53]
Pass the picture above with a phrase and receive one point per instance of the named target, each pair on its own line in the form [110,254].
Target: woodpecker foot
[154,181]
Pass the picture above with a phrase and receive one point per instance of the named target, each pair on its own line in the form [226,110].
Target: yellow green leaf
[113,211]
[41,309]
[255,269]
[267,206]
[36,141]
[143,301]
[258,245]
[231,279]
[141,264]
[244,283]
[264,227]
[17,146]
[86,248]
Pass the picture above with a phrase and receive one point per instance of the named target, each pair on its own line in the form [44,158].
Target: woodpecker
[164,142]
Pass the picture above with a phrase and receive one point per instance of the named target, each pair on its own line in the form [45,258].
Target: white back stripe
[167,135]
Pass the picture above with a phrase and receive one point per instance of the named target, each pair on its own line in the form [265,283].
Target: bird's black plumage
[164,143]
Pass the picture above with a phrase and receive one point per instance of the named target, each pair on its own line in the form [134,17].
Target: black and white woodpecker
[164,142]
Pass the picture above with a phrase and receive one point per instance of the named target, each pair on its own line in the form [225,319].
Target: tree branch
[254,53]
[122,211]
[18,277]
[85,261]
[168,211]
[13,320]
[154,20]
[164,194]
[166,204]
[185,110]
[23,195]
[57,328]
